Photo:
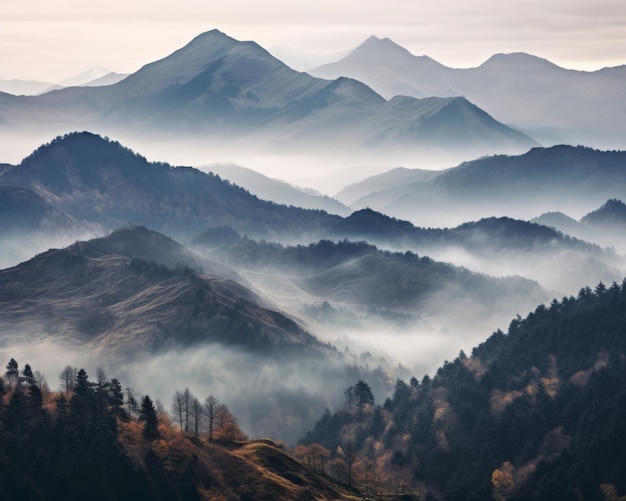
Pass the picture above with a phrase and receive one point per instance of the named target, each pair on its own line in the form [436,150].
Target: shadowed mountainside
[537,413]
[102,294]
[560,178]
[223,91]
[553,104]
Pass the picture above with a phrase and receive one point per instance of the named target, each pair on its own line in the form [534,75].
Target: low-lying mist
[279,396]
[17,247]
[561,273]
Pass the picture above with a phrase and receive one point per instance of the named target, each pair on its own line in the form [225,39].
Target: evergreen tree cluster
[90,442]
[536,413]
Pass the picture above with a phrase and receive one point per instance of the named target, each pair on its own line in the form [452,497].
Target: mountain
[390,180]
[498,246]
[138,296]
[23,87]
[561,178]
[100,181]
[92,77]
[388,57]
[354,285]
[94,441]
[561,222]
[536,413]
[612,215]
[23,210]
[277,191]
[105,186]
[606,224]
[529,92]
[224,91]
[107,79]
[119,295]
[602,226]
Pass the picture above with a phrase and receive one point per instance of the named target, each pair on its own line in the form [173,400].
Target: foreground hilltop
[94,441]
[535,413]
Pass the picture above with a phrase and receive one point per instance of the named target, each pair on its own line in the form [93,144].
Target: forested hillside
[538,412]
[95,440]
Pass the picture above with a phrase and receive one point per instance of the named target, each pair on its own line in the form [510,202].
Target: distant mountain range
[559,178]
[277,191]
[93,77]
[137,290]
[553,104]
[224,91]
[605,225]
[357,286]
[102,185]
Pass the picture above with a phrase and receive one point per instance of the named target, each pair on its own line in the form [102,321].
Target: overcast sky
[54,39]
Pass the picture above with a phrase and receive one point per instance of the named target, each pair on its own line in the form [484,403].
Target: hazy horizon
[53,41]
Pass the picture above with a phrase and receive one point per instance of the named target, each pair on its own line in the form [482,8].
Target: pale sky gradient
[51,40]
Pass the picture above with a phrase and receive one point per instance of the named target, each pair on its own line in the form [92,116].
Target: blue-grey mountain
[219,89]
[553,104]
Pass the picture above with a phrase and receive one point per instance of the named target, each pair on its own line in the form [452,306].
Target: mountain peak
[518,60]
[207,52]
[377,45]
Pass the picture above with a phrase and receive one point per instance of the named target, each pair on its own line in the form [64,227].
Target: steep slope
[225,91]
[118,295]
[22,210]
[612,215]
[374,289]
[89,443]
[554,104]
[96,180]
[421,75]
[536,413]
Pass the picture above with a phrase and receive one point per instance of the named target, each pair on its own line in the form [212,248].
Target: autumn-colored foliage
[83,444]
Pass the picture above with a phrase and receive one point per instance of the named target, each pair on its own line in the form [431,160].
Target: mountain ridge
[218,88]
[519,89]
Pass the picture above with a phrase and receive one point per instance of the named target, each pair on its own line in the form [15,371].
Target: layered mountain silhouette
[560,178]
[276,190]
[355,284]
[385,182]
[604,225]
[93,77]
[554,104]
[123,295]
[217,88]
[102,182]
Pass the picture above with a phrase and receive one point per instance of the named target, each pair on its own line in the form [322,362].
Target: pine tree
[12,374]
[149,416]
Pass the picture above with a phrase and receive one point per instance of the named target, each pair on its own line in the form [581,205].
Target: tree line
[96,439]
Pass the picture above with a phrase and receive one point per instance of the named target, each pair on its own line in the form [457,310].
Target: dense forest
[99,441]
[535,413]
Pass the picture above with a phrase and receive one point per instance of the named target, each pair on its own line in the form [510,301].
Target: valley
[433,327]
